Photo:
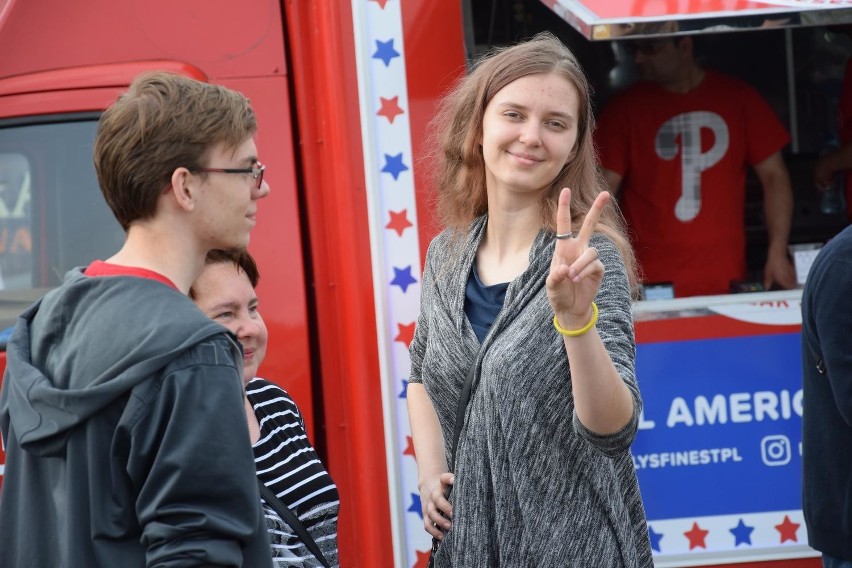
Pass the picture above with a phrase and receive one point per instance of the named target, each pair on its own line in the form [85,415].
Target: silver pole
[791,91]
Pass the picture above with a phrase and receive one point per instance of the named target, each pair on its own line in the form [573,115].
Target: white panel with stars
[395,247]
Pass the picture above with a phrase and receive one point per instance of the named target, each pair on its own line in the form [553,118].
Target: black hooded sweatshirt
[126,440]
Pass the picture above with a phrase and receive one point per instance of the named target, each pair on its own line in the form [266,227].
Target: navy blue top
[482,303]
[827,399]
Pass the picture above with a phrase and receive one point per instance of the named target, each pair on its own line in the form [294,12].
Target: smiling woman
[285,459]
[522,458]
[528,135]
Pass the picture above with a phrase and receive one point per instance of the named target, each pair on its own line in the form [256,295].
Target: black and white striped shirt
[287,463]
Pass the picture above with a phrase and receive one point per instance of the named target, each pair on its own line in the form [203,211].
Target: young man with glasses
[122,406]
[676,146]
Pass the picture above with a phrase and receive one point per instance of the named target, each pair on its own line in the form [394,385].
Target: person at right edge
[676,146]
[542,315]
[827,402]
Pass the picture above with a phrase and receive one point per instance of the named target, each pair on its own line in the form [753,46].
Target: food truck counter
[718,452]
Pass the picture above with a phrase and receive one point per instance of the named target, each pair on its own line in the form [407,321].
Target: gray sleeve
[417,349]
[615,326]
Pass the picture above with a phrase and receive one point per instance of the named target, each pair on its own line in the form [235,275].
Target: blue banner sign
[718,453]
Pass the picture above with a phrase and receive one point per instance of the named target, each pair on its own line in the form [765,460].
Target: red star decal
[788,530]
[409,447]
[406,333]
[422,559]
[390,108]
[696,536]
[399,221]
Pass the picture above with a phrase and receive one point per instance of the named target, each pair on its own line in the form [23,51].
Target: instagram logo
[775,450]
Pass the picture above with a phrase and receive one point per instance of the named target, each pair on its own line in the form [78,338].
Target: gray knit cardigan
[533,486]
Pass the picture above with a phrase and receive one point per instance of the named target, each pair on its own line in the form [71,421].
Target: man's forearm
[777,202]
[778,209]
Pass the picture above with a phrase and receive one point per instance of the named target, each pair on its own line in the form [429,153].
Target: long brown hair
[458,165]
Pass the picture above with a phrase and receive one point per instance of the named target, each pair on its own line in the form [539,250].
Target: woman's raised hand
[575,272]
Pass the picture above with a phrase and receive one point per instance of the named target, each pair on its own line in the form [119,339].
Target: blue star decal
[385,51]
[404,393]
[402,278]
[655,538]
[742,533]
[394,166]
[416,507]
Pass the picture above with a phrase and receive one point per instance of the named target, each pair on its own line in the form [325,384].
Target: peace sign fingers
[563,215]
[590,223]
[575,272]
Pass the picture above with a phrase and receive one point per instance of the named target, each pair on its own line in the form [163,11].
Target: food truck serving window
[52,214]
[611,19]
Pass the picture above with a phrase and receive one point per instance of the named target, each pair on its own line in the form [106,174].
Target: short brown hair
[457,130]
[164,121]
[241,259]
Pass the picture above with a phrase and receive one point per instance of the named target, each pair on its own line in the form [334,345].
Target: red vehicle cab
[294,60]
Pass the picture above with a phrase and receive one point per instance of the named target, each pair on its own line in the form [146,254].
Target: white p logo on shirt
[688,127]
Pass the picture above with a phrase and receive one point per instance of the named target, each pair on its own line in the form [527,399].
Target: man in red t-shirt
[677,145]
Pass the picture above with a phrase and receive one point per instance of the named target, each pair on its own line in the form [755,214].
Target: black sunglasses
[646,47]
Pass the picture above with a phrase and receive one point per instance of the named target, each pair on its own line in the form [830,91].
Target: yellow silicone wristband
[582,330]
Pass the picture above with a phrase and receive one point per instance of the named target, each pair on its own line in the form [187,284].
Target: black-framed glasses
[646,47]
[256,171]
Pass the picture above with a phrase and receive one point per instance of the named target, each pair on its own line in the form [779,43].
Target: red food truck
[343,92]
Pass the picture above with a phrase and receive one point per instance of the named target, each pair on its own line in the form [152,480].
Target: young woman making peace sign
[541,316]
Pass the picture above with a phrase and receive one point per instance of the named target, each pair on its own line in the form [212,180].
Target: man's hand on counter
[779,271]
